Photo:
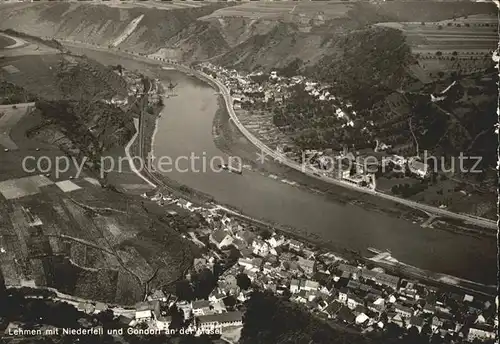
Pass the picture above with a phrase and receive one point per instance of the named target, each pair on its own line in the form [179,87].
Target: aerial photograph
[249,171]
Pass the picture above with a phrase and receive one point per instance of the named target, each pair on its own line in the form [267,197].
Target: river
[185,128]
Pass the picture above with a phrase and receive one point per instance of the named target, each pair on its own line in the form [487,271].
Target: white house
[143,316]
[260,248]
[201,307]
[342,297]
[354,301]
[219,321]
[309,285]
[419,168]
[481,332]
[276,242]
[295,286]
[250,264]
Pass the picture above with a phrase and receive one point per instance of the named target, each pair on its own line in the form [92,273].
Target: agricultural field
[466,35]
[66,231]
[57,240]
[288,11]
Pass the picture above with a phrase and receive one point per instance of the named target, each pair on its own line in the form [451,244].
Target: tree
[265,234]
[439,53]
[243,281]
[177,318]
[184,291]
[204,283]
[229,301]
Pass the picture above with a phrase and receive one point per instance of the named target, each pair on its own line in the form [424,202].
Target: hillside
[66,231]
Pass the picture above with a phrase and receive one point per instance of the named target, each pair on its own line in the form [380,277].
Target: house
[360,309]
[201,307]
[250,264]
[86,307]
[436,323]
[376,307]
[306,265]
[295,286]
[353,301]
[216,295]
[418,168]
[219,307]
[100,307]
[260,248]
[481,332]
[398,320]
[405,312]
[309,285]
[369,274]
[362,318]
[221,238]
[468,298]
[353,285]
[143,316]
[303,285]
[332,309]
[219,321]
[275,241]
[295,245]
[157,295]
[301,297]
[163,322]
[143,307]
[342,297]
[353,271]
[246,252]
[387,280]
[239,244]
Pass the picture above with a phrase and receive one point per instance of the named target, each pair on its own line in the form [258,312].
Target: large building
[219,321]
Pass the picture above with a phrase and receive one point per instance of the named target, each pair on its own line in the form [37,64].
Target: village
[358,167]
[357,296]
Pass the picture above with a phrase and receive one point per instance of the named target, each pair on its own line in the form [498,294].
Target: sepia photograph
[249,171]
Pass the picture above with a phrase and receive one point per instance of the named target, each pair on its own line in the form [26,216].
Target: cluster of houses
[356,168]
[246,90]
[366,298]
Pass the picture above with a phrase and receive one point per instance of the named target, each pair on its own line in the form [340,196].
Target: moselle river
[185,128]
